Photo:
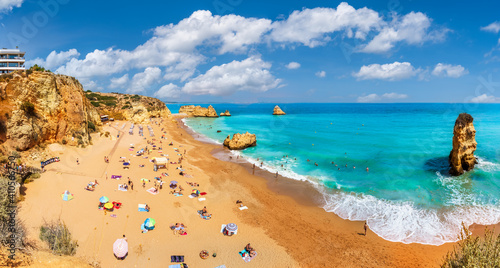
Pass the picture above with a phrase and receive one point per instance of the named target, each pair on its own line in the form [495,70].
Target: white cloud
[141,81]
[55,59]
[391,71]
[377,98]
[8,5]
[320,74]
[311,26]
[449,70]
[493,27]
[251,74]
[485,99]
[412,28]
[168,91]
[293,65]
[119,82]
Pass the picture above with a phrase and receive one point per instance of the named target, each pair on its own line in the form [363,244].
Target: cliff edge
[38,107]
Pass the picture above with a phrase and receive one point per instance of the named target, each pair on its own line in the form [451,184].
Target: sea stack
[226,113]
[198,111]
[278,111]
[464,144]
[240,141]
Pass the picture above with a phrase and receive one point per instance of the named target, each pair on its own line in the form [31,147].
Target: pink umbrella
[120,247]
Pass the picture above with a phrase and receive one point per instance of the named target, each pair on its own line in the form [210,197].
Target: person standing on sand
[77,162]
[131,186]
[366,227]
[276,174]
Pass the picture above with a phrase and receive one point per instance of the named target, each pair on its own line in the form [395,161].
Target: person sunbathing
[204,212]
[180,188]
[250,250]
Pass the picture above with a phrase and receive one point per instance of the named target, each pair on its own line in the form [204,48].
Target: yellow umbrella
[108,205]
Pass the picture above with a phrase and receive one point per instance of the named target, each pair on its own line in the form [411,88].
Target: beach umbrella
[144,180]
[196,192]
[66,196]
[231,227]
[126,163]
[108,205]
[173,182]
[120,248]
[103,199]
[149,223]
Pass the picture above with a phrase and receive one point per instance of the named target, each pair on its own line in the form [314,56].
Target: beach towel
[204,217]
[152,191]
[221,266]
[192,196]
[247,257]
[142,208]
[244,207]
[176,258]
[113,215]
[121,188]
[177,194]
[201,199]
[188,176]
[116,177]
[203,193]
[143,229]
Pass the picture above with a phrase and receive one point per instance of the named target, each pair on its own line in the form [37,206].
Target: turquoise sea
[407,194]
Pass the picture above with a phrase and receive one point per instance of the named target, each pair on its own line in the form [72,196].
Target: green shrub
[96,104]
[91,126]
[474,251]
[64,141]
[38,68]
[58,238]
[28,108]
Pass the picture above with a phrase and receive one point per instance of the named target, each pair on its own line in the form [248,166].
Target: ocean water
[407,195]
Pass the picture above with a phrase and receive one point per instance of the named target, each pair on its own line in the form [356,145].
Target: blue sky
[257,51]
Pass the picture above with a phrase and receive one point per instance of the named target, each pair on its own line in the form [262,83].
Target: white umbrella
[120,247]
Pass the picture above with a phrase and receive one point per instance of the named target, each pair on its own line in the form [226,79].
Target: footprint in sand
[177,204]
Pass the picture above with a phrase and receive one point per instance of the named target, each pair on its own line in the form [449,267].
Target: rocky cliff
[135,108]
[464,144]
[226,113]
[278,111]
[198,111]
[38,107]
[240,141]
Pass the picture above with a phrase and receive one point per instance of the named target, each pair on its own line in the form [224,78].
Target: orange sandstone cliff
[464,144]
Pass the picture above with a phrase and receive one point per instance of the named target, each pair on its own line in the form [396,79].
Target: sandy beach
[283,222]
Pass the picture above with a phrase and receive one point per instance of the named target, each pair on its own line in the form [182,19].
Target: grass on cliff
[58,237]
[474,251]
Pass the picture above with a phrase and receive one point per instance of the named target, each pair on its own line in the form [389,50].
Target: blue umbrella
[149,223]
[126,163]
[104,199]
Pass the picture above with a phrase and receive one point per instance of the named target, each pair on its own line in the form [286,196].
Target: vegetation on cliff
[474,251]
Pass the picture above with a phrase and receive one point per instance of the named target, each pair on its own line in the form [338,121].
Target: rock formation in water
[240,141]
[278,111]
[226,113]
[135,108]
[464,144]
[37,107]
[198,111]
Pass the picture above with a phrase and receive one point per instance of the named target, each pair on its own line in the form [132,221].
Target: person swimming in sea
[316,164]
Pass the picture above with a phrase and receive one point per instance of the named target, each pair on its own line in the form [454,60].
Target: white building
[11,60]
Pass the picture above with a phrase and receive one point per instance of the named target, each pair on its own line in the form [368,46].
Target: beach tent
[66,196]
[120,248]
[160,162]
[103,199]
[149,223]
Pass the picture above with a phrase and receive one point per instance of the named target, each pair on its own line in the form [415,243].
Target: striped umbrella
[120,248]
[149,223]
[231,227]
[196,192]
[104,199]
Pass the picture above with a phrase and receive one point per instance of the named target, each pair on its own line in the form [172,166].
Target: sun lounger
[244,207]
[152,191]
[176,258]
